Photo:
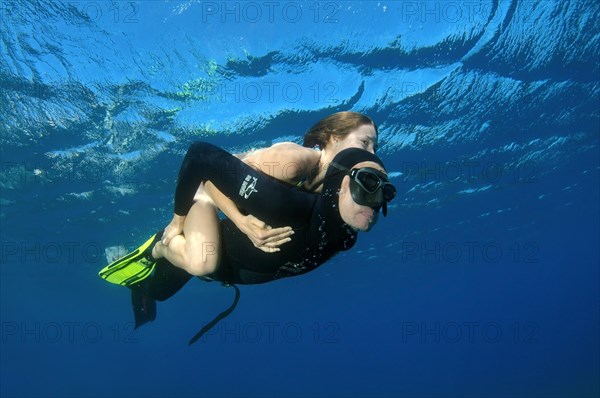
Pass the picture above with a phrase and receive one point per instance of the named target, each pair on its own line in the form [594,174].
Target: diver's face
[363,137]
[361,218]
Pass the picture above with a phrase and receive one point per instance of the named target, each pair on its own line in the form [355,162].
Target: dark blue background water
[482,281]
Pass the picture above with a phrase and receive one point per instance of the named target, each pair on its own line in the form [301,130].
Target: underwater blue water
[483,281]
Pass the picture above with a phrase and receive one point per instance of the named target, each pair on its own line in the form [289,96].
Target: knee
[196,270]
[200,268]
[203,264]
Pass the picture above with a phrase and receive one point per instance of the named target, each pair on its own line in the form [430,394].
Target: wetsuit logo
[248,186]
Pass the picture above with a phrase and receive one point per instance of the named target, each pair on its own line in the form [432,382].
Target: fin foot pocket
[133,267]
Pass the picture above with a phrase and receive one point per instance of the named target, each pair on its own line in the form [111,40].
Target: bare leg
[197,250]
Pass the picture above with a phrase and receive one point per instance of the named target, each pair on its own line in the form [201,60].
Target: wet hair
[339,124]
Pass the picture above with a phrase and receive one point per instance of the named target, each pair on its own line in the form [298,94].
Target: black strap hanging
[222,315]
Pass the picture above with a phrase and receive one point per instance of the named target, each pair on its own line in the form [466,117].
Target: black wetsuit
[320,232]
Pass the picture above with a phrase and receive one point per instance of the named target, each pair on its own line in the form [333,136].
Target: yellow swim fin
[133,267]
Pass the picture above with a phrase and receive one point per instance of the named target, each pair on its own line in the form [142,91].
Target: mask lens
[389,192]
[371,188]
[369,181]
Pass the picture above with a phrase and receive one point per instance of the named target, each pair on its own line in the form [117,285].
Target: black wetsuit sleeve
[252,191]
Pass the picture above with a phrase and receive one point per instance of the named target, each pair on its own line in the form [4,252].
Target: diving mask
[369,187]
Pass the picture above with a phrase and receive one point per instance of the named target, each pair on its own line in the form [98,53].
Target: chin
[363,227]
[367,228]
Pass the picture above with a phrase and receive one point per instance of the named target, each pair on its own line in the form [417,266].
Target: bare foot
[157,250]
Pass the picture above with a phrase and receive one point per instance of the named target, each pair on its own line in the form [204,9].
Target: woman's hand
[263,236]
[174,228]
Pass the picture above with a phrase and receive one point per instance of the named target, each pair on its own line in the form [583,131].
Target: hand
[174,228]
[263,236]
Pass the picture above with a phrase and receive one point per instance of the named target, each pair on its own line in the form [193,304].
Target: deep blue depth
[483,281]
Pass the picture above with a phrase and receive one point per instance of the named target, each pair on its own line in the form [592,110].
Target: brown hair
[339,124]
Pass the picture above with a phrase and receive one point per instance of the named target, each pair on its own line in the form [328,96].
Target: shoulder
[290,162]
[289,152]
[299,160]
[295,152]
[289,146]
